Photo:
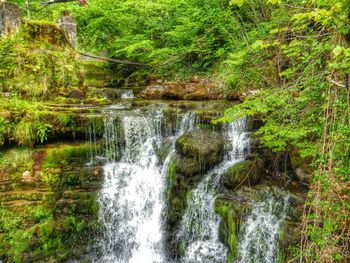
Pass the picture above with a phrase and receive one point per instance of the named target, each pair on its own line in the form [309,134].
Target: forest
[160,114]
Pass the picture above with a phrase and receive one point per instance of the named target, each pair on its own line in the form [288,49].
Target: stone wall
[69,26]
[10,18]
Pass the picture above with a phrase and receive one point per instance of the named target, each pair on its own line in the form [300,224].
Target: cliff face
[48,201]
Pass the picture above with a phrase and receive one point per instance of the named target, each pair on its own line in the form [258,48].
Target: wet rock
[248,172]
[188,166]
[303,176]
[198,151]
[164,149]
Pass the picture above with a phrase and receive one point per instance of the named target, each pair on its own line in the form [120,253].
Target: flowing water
[199,228]
[128,94]
[132,206]
[131,199]
[259,235]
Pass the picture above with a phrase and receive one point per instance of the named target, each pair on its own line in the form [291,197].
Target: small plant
[43,130]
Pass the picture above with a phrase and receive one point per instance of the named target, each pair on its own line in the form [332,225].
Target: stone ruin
[69,26]
[10,18]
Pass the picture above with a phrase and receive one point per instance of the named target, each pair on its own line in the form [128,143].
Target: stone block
[69,26]
[10,18]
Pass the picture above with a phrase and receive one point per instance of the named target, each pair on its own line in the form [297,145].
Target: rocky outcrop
[48,202]
[194,89]
[198,151]
[248,172]
[235,207]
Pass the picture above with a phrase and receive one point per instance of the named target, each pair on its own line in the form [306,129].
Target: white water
[128,94]
[259,235]
[131,199]
[199,228]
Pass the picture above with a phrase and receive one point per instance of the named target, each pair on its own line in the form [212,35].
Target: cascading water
[199,228]
[128,94]
[259,236]
[131,199]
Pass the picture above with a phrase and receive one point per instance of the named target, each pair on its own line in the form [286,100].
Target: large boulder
[248,172]
[199,150]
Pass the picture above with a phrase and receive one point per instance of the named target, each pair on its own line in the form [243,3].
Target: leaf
[274,2]
[338,50]
[238,3]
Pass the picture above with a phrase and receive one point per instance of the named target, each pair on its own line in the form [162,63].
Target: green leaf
[238,3]
[337,50]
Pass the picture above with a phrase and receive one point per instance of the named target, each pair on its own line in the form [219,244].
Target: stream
[133,206]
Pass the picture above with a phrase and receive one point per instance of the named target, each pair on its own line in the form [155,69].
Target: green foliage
[57,158]
[18,158]
[42,131]
[36,61]
[5,127]
[308,110]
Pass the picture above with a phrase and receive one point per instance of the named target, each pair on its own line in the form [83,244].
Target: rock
[233,96]
[196,79]
[289,235]
[303,176]
[27,177]
[248,172]
[69,26]
[10,18]
[193,89]
[198,151]
[77,94]
[164,149]
[198,95]
[188,166]
[97,171]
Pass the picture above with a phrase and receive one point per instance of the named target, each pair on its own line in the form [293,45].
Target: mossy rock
[67,155]
[198,151]
[37,30]
[228,228]
[206,117]
[289,236]
[164,150]
[248,172]
[188,166]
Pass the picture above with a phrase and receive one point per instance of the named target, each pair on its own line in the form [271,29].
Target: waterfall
[259,235]
[132,197]
[128,94]
[199,227]
[132,202]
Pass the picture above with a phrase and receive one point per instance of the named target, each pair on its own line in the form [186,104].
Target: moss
[15,161]
[39,30]
[46,231]
[199,151]
[176,196]
[98,74]
[188,166]
[66,154]
[248,172]
[224,209]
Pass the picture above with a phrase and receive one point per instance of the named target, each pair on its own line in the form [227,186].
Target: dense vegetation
[294,54]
